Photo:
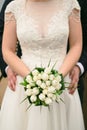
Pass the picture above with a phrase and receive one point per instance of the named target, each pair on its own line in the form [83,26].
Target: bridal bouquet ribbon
[43,86]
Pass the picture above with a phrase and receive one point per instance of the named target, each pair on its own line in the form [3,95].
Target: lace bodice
[43,29]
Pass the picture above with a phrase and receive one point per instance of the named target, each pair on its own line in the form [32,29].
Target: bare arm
[9,45]
[75,40]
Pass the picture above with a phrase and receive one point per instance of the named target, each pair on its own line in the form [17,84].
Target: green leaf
[28,107]
[49,63]
[40,69]
[57,101]
[54,65]
[23,84]
[59,92]
[55,72]
[23,100]
[62,100]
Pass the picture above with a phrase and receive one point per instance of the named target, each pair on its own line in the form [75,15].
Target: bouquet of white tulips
[43,86]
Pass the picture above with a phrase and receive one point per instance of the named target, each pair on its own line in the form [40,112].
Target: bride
[43,28]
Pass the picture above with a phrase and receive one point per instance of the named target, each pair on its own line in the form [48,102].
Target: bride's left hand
[74,76]
[73,86]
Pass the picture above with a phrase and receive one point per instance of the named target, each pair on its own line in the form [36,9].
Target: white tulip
[45,91]
[35,78]
[48,100]
[29,79]
[45,76]
[51,77]
[58,86]
[35,91]
[43,86]
[42,97]
[38,82]
[54,82]
[35,72]
[58,78]
[28,92]
[48,83]
[47,70]
[33,98]
[32,84]
[39,76]
[28,86]
[50,95]
[51,89]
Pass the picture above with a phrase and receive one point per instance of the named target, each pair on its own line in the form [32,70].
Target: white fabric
[41,39]
[81,67]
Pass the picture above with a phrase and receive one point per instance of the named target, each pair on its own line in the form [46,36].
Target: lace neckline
[33,4]
[43,35]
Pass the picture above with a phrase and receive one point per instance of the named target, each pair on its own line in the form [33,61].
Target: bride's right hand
[11,76]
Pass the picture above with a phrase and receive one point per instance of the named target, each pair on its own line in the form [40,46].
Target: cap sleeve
[75,4]
[10,7]
[10,12]
[75,10]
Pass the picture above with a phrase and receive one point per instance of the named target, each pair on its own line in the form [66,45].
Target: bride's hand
[11,76]
[74,76]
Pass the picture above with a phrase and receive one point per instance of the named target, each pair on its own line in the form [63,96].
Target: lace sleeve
[75,11]
[9,17]
[10,12]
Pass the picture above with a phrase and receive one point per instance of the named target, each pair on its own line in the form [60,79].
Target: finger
[71,74]
[74,75]
[73,85]
[74,82]
[12,79]
[72,91]
[12,85]
[73,88]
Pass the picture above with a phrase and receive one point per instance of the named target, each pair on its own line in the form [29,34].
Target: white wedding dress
[43,30]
